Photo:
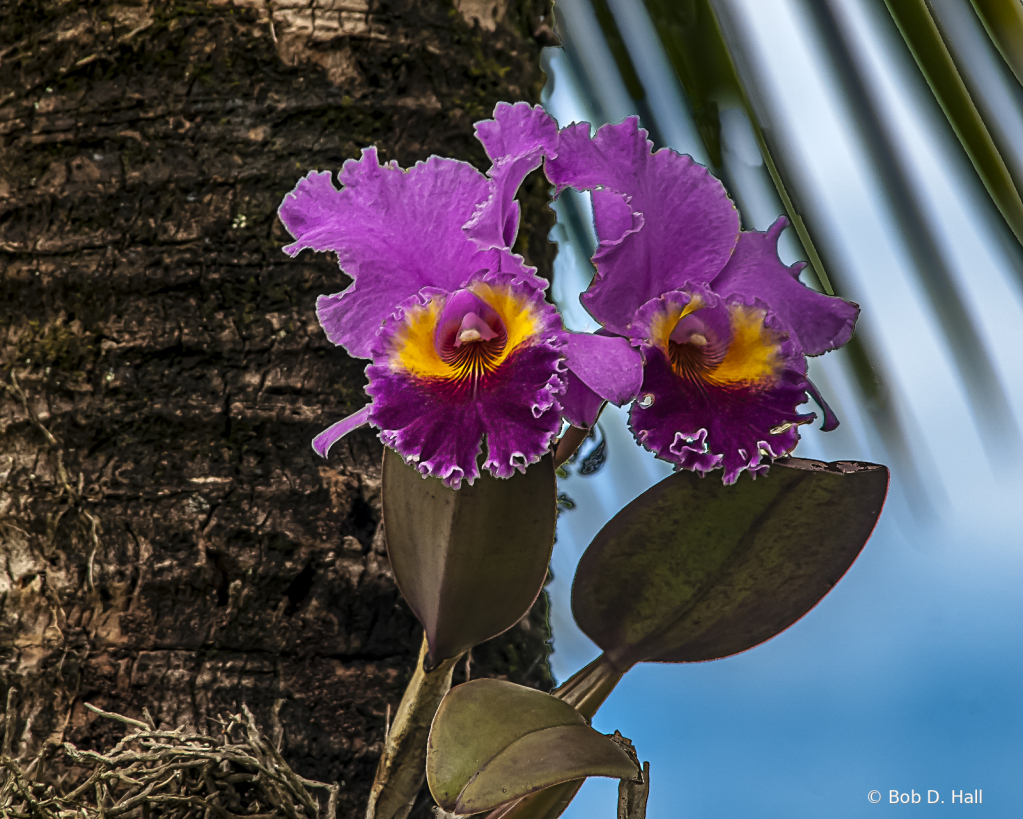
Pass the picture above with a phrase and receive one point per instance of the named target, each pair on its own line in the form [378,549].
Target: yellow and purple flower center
[723,377]
[458,344]
[452,371]
[470,338]
[725,346]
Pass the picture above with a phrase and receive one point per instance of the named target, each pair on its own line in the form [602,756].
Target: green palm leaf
[924,39]
[1003,20]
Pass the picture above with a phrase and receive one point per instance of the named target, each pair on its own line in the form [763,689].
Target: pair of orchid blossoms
[700,320]
[703,329]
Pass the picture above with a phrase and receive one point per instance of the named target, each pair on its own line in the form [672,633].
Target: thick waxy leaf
[470,561]
[549,803]
[585,692]
[695,570]
[494,741]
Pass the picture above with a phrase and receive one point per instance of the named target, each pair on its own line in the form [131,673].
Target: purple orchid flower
[463,346]
[723,325]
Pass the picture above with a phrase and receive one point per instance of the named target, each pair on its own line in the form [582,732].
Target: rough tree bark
[169,540]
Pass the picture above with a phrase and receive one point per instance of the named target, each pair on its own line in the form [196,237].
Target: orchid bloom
[724,327]
[463,346]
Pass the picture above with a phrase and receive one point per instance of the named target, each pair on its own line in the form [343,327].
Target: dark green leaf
[1003,20]
[493,742]
[471,561]
[585,692]
[932,55]
[695,570]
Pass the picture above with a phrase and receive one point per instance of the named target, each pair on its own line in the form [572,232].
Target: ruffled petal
[599,368]
[517,130]
[443,440]
[522,417]
[688,229]
[394,232]
[613,218]
[434,403]
[517,139]
[820,322]
[335,432]
[727,395]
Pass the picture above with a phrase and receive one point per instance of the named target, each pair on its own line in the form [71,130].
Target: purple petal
[435,411]
[310,211]
[516,140]
[600,368]
[580,405]
[326,439]
[522,416]
[613,217]
[517,130]
[830,419]
[702,429]
[694,454]
[689,225]
[820,322]
[707,405]
[444,440]
[608,365]
[394,232]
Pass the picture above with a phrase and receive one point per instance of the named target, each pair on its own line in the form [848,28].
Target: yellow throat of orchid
[749,357]
[471,357]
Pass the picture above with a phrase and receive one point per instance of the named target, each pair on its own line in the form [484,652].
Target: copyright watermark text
[928,797]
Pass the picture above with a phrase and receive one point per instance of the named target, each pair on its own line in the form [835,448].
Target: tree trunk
[169,538]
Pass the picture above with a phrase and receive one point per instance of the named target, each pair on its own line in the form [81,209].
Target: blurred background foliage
[694,73]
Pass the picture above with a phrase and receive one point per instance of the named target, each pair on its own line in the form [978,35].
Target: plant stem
[402,766]
[587,689]
[632,796]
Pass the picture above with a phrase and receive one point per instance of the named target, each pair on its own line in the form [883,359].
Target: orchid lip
[454,372]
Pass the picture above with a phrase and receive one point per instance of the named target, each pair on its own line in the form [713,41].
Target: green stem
[402,766]
[587,689]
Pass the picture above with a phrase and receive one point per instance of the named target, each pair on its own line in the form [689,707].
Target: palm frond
[928,45]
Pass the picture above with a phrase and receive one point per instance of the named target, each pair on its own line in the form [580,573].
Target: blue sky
[909,675]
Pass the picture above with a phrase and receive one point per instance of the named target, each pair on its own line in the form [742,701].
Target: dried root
[237,774]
